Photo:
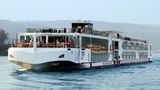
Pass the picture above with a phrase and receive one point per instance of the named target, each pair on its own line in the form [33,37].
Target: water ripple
[128,77]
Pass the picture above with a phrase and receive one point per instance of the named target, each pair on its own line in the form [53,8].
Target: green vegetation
[3,45]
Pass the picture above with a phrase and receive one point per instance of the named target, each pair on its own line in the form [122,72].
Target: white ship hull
[49,59]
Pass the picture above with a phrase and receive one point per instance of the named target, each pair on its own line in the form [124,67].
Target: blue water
[131,77]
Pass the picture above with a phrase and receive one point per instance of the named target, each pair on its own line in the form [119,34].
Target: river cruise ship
[78,47]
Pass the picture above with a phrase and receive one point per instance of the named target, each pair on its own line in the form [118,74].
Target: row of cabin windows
[143,54]
[125,46]
[99,57]
[87,42]
[53,41]
[129,55]
[95,44]
[132,55]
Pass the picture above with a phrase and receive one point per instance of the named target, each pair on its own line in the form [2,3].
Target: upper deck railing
[112,34]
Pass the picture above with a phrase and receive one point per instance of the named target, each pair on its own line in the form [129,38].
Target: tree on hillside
[3,36]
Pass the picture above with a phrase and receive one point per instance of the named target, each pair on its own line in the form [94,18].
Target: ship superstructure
[77,47]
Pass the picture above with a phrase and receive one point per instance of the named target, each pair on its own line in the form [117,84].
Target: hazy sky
[131,11]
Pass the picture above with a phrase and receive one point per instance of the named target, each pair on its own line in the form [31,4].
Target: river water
[131,77]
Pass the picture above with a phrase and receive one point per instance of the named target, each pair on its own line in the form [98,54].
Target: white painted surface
[42,55]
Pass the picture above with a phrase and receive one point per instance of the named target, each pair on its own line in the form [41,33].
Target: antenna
[80,17]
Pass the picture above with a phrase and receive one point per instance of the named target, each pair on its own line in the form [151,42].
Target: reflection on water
[131,77]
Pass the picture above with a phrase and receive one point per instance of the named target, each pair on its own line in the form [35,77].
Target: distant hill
[149,32]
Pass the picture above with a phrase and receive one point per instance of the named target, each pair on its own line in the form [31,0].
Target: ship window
[124,45]
[51,39]
[22,38]
[86,42]
[41,39]
[44,39]
[137,46]
[99,48]
[95,44]
[28,39]
[132,46]
[115,44]
[74,40]
[25,41]
[25,38]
